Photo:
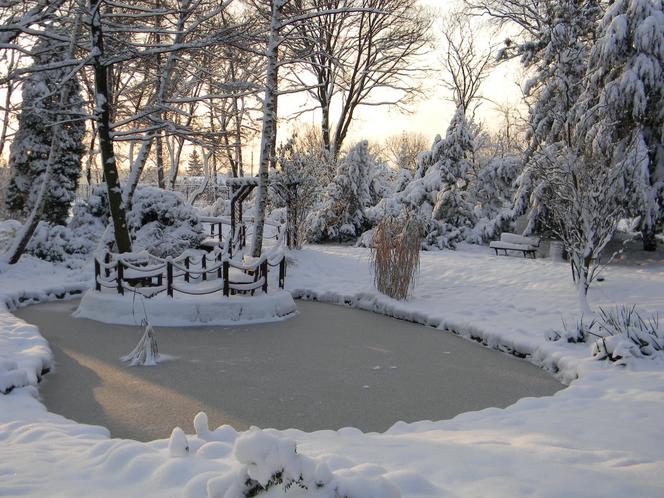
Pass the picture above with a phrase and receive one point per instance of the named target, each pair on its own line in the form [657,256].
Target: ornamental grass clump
[395,255]
[624,333]
[617,335]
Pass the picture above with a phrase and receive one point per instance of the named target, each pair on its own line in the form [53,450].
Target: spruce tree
[31,145]
[557,55]
[622,109]
[195,166]
[358,185]
[439,193]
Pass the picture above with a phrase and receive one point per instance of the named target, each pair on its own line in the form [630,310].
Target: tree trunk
[159,153]
[102,117]
[137,169]
[581,272]
[269,127]
[325,127]
[649,239]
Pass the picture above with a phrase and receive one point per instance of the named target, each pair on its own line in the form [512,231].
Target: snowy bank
[24,354]
[601,436]
[186,311]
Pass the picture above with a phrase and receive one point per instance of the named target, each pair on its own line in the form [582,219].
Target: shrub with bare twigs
[395,255]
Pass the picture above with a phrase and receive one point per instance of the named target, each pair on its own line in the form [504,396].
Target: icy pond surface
[327,368]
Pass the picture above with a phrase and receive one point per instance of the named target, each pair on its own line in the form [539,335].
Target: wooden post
[225,266]
[186,265]
[119,277]
[282,272]
[169,277]
[264,272]
[204,266]
[97,275]
[107,260]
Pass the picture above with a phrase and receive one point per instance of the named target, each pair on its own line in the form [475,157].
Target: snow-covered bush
[310,167]
[493,191]
[59,243]
[160,222]
[395,255]
[163,223]
[270,463]
[360,183]
[8,230]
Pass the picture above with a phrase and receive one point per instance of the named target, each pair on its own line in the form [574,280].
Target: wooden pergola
[241,188]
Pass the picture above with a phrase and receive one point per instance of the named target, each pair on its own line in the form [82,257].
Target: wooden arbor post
[239,196]
[292,222]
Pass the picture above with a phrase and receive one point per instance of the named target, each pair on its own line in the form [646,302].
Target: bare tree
[402,150]
[465,64]
[584,200]
[373,58]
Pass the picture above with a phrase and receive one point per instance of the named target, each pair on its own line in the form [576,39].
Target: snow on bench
[517,243]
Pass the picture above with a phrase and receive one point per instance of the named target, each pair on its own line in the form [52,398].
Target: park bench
[516,243]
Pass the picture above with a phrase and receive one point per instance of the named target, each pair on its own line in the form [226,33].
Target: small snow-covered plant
[580,333]
[8,230]
[272,462]
[624,333]
[146,352]
[178,444]
[395,255]
[271,466]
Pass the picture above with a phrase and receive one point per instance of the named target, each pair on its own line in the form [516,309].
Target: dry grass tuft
[395,255]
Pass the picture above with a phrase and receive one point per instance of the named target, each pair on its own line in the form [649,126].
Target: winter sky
[431,115]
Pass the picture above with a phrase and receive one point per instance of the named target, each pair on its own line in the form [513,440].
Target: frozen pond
[327,368]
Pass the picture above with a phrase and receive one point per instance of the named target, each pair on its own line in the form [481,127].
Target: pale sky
[432,114]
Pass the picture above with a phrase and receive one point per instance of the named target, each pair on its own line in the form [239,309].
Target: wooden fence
[192,273]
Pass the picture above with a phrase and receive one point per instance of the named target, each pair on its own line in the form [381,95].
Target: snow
[186,311]
[601,436]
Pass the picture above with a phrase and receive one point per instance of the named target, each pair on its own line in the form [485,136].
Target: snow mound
[271,464]
[185,311]
[24,353]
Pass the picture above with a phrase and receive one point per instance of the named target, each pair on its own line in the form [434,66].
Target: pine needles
[395,255]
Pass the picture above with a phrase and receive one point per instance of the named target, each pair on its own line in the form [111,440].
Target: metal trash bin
[556,251]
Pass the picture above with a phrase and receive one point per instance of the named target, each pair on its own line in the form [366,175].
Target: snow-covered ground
[601,436]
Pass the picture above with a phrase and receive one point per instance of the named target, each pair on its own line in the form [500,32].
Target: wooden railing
[237,240]
[150,275]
